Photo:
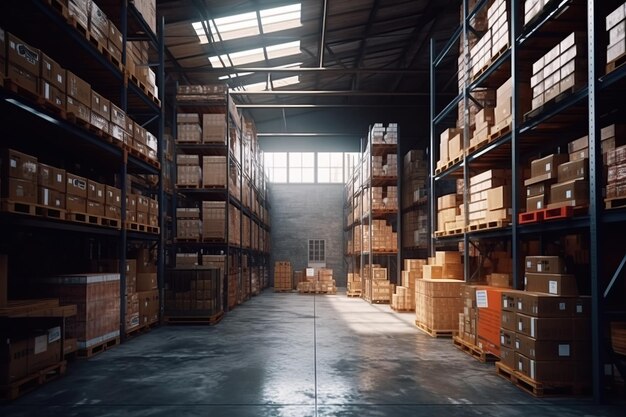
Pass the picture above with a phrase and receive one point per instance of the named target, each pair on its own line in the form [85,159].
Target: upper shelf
[68,46]
[137,25]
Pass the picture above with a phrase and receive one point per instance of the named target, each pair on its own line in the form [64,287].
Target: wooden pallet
[59,7]
[440,233]
[616,202]
[17,207]
[547,214]
[483,142]
[135,227]
[379,301]
[433,332]
[84,218]
[12,86]
[183,187]
[403,310]
[563,95]
[208,320]
[188,239]
[616,63]
[498,131]
[50,212]
[77,25]
[539,389]
[450,163]
[318,292]
[42,102]
[495,224]
[25,385]
[282,290]
[98,348]
[474,350]
[352,294]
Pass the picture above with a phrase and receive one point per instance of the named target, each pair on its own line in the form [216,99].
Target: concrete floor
[291,355]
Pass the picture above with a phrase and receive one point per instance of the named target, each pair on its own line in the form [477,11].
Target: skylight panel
[283,49]
[262,86]
[284,82]
[248,56]
[233,76]
[281,18]
[234,27]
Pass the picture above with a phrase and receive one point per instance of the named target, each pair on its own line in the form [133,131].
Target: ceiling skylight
[247,24]
[233,76]
[255,55]
[283,49]
[284,82]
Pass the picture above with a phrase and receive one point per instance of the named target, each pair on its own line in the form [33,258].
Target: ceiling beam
[326,106]
[338,93]
[363,44]
[333,71]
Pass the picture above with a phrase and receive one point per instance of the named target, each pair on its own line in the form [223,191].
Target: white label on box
[505,303]
[520,327]
[41,344]
[532,369]
[502,339]
[568,194]
[13,163]
[54,334]
[561,306]
[548,167]
[532,326]
[528,264]
[59,178]
[517,344]
[310,272]
[539,267]
[553,287]
[525,281]
[579,309]
[564,350]
[519,365]
[481,299]
[45,196]
[519,305]
[59,78]
[539,205]
[48,66]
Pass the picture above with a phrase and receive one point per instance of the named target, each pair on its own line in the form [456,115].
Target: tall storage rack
[581,111]
[243,241]
[365,216]
[56,138]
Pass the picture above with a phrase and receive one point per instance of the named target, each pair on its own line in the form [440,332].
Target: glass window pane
[280,159]
[295,175]
[308,175]
[308,159]
[323,159]
[335,175]
[295,159]
[280,174]
[323,175]
[336,159]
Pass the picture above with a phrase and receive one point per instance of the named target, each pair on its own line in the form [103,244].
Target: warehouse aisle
[291,355]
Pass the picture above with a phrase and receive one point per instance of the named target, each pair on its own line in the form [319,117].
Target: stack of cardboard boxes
[481,317]
[214,171]
[543,174]
[532,8]
[282,276]
[131,319]
[489,197]
[384,135]
[504,104]
[616,26]
[404,297]
[188,224]
[213,220]
[320,281]
[354,284]
[560,70]
[445,265]
[384,239]
[188,128]
[415,177]
[234,225]
[384,198]
[214,128]
[448,212]
[545,331]
[484,120]
[193,292]
[377,288]
[450,145]
[613,138]
[438,303]
[495,39]
[188,171]
[19,177]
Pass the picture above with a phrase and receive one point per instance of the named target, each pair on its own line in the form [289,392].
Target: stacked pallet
[450,146]
[320,281]
[490,198]
[188,171]
[438,303]
[445,265]
[193,294]
[377,288]
[283,276]
[131,319]
[562,69]
[384,239]
[494,40]
[545,334]
[385,135]
[188,224]
[448,213]
[354,285]
[616,49]
[532,8]
[404,297]
[613,139]
[384,198]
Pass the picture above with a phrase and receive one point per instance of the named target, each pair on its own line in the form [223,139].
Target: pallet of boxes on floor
[378,289]
[354,285]
[283,276]
[404,297]
[438,295]
[317,281]
[545,332]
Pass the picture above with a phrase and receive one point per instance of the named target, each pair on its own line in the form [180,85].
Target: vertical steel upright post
[431,154]
[399,185]
[464,38]
[595,195]
[515,172]
[161,156]
[226,276]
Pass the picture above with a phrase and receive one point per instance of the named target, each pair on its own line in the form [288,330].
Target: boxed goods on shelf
[23,63]
[19,177]
[354,284]
[188,223]
[616,25]
[214,128]
[213,220]
[544,174]
[563,68]
[382,134]
[189,172]
[97,297]
[193,292]
[214,171]
[320,282]
[490,197]
[448,135]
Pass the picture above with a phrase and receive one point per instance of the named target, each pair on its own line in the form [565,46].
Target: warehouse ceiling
[375,55]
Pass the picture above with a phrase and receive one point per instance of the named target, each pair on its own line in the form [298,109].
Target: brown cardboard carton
[507,357]
[499,197]
[544,328]
[78,89]
[23,78]
[573,170]
[545,264]
[546,305]
[19,165]
[507,338]
[146,281]
[78,109]
[545,371]
[51,198]
[94,208]
[19,190]
[96,191]
[500,280]
[100,105]
[52,72]
[76,185]
[509,321]
[557,284]
[75,204]
[575,192]
[539,188]
[536,203]
[113,196]
[552,350]
[23,56]
[52,95]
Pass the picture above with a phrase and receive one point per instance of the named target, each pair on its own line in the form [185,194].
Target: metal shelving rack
[581,111]
[74,51]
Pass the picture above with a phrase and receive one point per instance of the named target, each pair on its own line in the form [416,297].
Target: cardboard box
[573,193]
[22,55]
[113,196]
[76,185]
[507,357]
[557,284]
[143,204]
[508,320]
[447,257]
[547,305]
[553,328]
[500,280]
[573,170]
[52,72]
[547,166]
[19,165]
[140,134]
[546,371]
[447,201]
[545,264]
[551,350]
[432,271]
[98,20]
[118,117]
[50,198]
[78,89]
[112,212]
[95,208]
[499,198]
[19,190]
[52,95]
[115,36]
[79,110]
[96,192]
[146,281]
[23,78]
[75,204]
[100,105]
[536,203]
[507,338]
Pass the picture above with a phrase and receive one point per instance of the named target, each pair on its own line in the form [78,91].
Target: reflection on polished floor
[291,355]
